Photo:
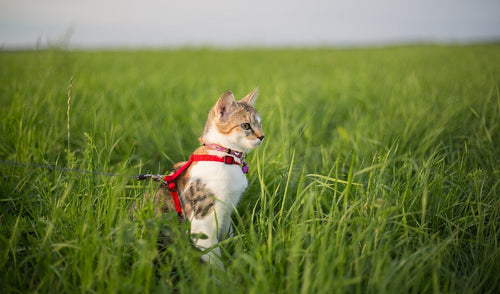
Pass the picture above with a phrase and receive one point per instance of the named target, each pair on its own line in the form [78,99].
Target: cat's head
[234,124]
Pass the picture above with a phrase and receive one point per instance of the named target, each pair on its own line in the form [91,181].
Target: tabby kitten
[209,190]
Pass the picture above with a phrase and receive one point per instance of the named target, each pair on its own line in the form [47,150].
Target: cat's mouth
[257,142]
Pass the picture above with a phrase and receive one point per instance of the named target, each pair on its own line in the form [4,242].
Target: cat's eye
[245,126]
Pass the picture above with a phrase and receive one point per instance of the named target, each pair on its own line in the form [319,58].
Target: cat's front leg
[204,236]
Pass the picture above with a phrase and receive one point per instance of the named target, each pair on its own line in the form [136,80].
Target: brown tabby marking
[197,199]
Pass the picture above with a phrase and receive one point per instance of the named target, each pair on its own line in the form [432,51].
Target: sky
[226,23]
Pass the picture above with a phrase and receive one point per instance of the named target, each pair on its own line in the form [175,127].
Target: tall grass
[379,173]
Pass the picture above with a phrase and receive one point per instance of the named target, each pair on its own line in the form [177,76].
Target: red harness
[170,179]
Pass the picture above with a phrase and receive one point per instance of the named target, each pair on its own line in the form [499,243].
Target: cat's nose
[261,138]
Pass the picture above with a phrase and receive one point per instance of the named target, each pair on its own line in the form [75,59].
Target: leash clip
[158,178]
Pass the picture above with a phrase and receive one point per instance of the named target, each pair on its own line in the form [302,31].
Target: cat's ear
[224,105]
[250,98]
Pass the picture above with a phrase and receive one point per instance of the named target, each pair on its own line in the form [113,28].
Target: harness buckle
[228,159]
[172,187]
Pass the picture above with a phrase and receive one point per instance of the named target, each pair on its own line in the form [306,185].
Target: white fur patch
[227,183]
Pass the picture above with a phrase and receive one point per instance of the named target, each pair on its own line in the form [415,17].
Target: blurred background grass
[379,172]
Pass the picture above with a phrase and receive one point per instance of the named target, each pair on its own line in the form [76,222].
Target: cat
[207,190]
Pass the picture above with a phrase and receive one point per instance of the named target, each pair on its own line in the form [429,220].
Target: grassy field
[380,172]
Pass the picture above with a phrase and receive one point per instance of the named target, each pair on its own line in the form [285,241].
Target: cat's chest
[226,181]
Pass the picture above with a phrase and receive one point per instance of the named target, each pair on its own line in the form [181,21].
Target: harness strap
[170,179]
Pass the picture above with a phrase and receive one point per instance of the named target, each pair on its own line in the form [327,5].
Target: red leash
[170,179]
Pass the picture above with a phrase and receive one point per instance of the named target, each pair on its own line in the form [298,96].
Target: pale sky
[222,23]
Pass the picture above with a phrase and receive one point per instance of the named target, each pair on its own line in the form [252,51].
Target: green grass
[380,172]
